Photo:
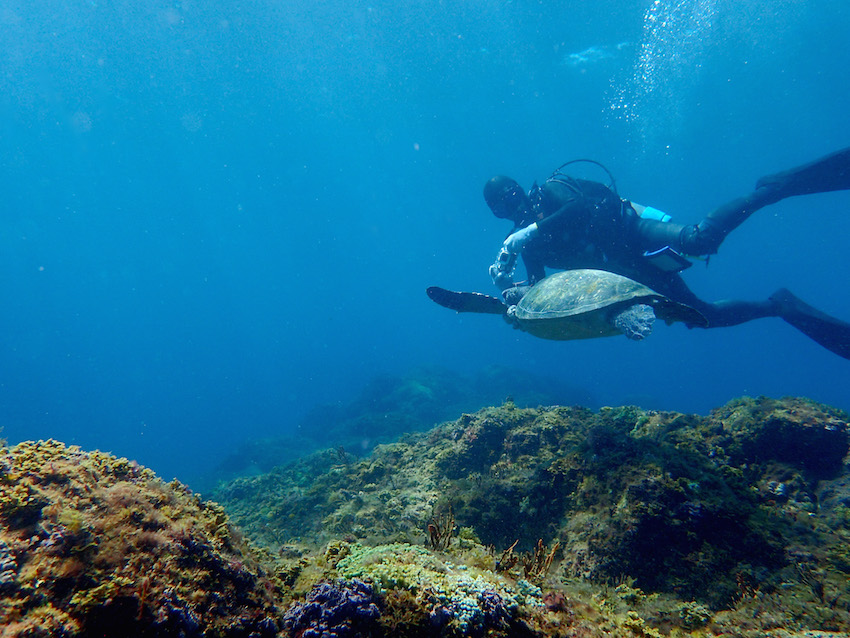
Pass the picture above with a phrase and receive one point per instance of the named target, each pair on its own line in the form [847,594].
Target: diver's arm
[534,269]
[545,224]
[561,218]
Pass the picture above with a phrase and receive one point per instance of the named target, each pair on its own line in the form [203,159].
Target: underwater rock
[707,509]
[551,522]
[798,432]
[94,545]
[389,406]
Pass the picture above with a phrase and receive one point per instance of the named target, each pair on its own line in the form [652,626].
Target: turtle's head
[507,199]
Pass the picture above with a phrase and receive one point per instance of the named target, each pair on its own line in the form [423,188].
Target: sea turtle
[578,304]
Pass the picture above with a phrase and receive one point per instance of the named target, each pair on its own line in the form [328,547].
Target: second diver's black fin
[833,334]
[467,301]
[829,173]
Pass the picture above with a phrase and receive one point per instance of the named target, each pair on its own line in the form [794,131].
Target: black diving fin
[829,173]
[467,301]
[833,334]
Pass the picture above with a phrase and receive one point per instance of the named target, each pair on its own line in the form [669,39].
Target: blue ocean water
[217,216]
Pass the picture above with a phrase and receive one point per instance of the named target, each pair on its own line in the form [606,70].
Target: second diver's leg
[722,314]
[833,334]
[828,173]
[718,314]
[829,332]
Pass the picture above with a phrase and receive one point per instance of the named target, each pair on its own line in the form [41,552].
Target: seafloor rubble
[508,522]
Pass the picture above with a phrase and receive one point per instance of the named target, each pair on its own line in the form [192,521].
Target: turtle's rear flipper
[833,334]
[829,173]
[467,301]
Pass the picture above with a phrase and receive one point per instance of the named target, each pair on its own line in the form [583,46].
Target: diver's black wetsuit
[584,224]
[569,223]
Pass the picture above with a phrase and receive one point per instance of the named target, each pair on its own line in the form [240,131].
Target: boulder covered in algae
[565,522]
[93,545]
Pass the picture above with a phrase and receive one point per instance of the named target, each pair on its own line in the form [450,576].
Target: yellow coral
[638,626]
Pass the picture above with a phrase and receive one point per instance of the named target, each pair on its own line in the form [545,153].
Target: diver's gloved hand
[517,241]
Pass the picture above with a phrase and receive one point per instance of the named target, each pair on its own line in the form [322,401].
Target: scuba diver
[570,223]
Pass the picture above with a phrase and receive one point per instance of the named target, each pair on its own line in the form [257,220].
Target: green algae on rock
[91,544]
[389,406]
[740,512]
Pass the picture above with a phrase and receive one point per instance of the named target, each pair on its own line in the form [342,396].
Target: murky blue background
[217,215]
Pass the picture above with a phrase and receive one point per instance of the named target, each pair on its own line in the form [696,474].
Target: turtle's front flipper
[467,301]
[636,321]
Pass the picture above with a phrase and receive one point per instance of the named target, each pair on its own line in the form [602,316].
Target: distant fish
[594,54]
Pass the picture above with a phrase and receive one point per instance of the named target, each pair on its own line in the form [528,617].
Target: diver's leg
[718,314]
[722,314]
[829,173]
[833,334]
[705,237]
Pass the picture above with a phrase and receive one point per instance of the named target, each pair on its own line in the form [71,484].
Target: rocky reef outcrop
[94,545]
[511,522]
[389,406]
[743,511]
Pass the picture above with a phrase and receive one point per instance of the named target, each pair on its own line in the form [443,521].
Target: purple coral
[496,613]
[333,610]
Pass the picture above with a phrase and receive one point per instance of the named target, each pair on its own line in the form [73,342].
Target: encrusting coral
[95,545]
[510,522]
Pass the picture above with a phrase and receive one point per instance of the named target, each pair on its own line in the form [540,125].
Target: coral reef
[389,406]
[475,600]
[673,521]
[510,522]
[95,545]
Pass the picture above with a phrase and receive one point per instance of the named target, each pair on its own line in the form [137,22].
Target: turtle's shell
[580,304]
